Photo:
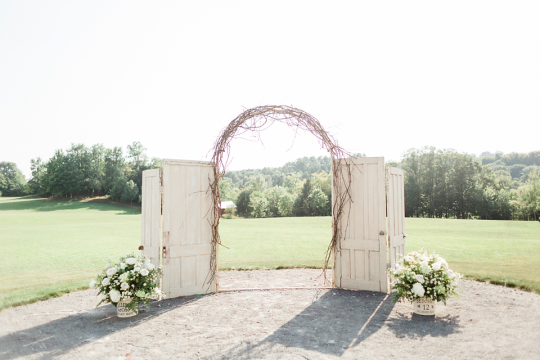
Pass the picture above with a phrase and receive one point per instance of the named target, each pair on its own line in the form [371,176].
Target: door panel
[360,263]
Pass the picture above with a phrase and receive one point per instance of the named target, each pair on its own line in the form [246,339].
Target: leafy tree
[273,195]
[243,205]
[225,190]
[130,192]
[323,181]
[292,182]
[38,172]
[302,206]
[285,205]
[118,188]
[318,202]
[257,183]
[258,204]
[13,182]
[531,195]
[114,164]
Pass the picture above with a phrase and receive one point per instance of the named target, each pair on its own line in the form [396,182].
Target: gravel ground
[486,322]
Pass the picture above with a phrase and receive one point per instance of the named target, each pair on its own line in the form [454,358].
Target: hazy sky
[381,76]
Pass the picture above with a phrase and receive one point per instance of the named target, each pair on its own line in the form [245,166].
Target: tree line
[439,183]
[82,170]
[447,184]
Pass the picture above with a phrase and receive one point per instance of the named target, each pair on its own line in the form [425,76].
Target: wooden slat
[190,250]
[187,162]
[360,244]
[356,284]
[151,215]
[381,229]
[396,214]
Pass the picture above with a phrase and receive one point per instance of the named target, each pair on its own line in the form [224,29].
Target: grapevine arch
[256,120]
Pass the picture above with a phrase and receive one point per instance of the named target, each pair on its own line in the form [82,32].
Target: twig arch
[256,120]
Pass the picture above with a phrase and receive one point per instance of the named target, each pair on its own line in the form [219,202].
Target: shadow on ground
[340,320]
[65,334]
[42,205]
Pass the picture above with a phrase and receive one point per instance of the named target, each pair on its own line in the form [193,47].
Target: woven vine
[256,120]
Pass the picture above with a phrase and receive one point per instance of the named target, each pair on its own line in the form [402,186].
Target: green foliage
[226,192]
[258,204]
[444,183]
[91,171]
[130,192]
[274,195]
[243,202]
[118,188]
[285,205]
[12,182]
[318,202]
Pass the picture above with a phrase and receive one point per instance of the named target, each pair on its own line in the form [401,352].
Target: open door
[151,215]
[360,262]
[396,214]
[187,227]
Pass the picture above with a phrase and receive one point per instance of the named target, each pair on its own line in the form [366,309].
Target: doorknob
[382,232]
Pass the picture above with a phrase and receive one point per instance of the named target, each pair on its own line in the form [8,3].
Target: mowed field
[49,248]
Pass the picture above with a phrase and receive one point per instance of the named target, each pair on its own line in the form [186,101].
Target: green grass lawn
[53,247]
[50,248]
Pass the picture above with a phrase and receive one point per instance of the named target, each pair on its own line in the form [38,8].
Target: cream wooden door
[360,263]
[187,232]
[151,215]
[396,214]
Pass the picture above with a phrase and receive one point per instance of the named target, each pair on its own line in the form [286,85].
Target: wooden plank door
[187,231]
[151,215]
[396,214]
[360,263]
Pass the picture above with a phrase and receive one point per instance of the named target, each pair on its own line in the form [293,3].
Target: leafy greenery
[92,171]
[419,275]
[12,182]
[444,183]
[133,277]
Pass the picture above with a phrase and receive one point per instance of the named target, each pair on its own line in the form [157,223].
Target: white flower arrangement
[132,277]
[418,275]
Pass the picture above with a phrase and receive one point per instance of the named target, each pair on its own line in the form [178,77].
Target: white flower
[114,295]
[450,273]
[93,283]
[105,282]
[149,266]
[409,258]
[131,261]
[108,266]
[424,268]
[418,289]
[420,278]
[124,286]
[111,271]
[144,272]
[144,284]
[137,269]
[140,294]
[122,266]
[444,264]
[124,277]
[436,266]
